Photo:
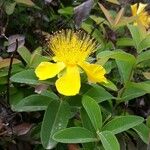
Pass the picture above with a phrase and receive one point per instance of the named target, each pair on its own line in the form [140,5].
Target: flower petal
[46,70]
[94,72]
[69,84]
[141,8]
[134,9]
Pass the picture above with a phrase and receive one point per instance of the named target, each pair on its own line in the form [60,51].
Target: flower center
[70,47]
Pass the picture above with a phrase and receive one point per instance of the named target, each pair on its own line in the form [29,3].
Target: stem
[9,71]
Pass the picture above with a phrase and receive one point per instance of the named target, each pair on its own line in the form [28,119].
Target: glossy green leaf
[122,123]
[99,94]
[33,102]
[55,118]
[143,131]
[93,110]
[108,140]
[74,135]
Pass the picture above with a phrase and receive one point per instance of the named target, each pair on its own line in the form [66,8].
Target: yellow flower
[143,16]
[70,49]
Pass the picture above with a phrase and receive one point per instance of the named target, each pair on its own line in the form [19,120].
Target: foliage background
[34,21]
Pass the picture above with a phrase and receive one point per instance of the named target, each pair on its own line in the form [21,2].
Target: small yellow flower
[143,16]
[70,50]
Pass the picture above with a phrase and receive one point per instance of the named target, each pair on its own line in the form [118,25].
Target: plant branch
[9,71]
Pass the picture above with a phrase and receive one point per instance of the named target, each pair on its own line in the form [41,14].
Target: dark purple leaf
[40,88]
[48,1]
[12,42]
[20,129]
[82,11]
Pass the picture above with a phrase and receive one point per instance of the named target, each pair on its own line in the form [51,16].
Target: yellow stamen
[71,47]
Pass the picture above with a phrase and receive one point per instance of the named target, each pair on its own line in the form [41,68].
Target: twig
[9,71]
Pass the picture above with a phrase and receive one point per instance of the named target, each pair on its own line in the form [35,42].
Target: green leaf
[74,135]
[25,54]
[33,102]
[143,131]
[134,90]
[108,140]
[104,56]
[125,70]
[125,42]
[144,44]
[10,7]
[93,110]
[66,11]
[55,118]
[28,77]
[143,56]
[37,58]
[28,3]
[125,62]
[98,20]
[86,120]
[15,68]
[122,123]
[49,94]
[110,85]
[136,34]
[88,125]
[99,94]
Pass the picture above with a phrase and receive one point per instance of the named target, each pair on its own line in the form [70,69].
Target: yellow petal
[94,72]
[141,8]
[134,9]
[46,70]
[69,84]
